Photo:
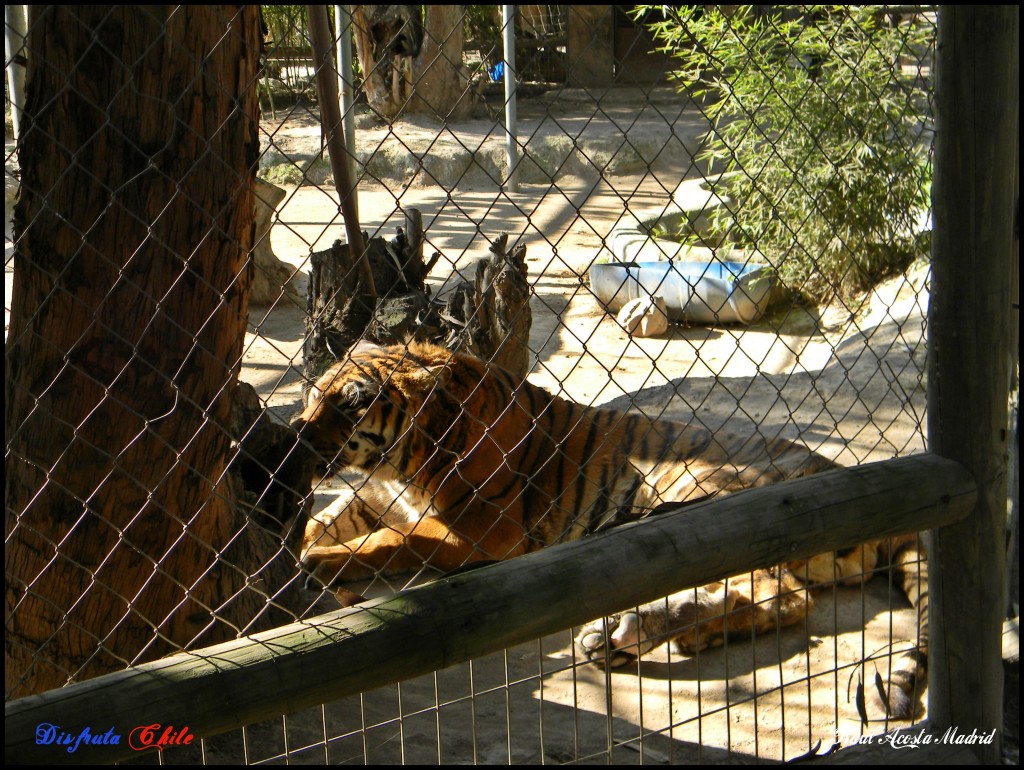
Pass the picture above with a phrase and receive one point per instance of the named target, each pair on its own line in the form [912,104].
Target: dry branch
[330,118]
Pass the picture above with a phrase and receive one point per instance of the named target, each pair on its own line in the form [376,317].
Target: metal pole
[346,80]
[508,26]
[15,30]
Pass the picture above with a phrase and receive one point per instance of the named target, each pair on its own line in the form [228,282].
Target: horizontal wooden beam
[477,612]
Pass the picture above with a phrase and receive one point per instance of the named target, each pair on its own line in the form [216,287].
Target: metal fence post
[346,87]
[508,27]
[15,29]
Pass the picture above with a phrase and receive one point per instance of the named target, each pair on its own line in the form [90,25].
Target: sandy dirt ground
[846,381]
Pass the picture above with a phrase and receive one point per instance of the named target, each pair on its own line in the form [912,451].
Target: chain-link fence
[718,224]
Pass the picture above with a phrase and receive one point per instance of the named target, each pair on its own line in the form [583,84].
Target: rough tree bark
[440,84]
[131,283]
[379,97]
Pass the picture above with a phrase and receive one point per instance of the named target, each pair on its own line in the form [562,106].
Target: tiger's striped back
[461,435]
[490,467]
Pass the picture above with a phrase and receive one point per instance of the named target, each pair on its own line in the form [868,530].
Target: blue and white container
[715,292]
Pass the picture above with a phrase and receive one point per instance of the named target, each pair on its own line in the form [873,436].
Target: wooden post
[968,372]
[591,48]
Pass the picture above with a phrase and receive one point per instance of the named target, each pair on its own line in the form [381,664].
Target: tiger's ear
[340,353]
[433,376]
[311,395]
[362,346]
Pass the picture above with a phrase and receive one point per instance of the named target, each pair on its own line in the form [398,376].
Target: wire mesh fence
[737,253]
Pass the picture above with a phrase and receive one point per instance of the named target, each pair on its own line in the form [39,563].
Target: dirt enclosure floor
[846,381]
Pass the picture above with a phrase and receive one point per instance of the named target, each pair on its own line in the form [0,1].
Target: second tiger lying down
[467,464]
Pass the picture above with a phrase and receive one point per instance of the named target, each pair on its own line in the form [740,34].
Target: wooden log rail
[477,612]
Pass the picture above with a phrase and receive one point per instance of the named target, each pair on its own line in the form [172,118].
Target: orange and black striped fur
[469,463]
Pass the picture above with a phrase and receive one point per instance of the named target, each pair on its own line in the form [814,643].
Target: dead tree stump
[491,317]
[488,317]
[339,310]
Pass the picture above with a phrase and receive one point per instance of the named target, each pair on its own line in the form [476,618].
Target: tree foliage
[820,121]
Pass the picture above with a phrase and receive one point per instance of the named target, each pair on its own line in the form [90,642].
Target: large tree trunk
[374,65]
[131,284]
[440,85]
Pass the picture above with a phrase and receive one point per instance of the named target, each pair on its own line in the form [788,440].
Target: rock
[271,276]
[644,317]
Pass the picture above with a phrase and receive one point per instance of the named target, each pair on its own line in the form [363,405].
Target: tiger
[468,463]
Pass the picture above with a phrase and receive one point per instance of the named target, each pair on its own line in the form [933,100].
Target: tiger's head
[372,409]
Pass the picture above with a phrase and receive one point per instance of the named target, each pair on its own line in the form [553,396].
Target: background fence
[150,508]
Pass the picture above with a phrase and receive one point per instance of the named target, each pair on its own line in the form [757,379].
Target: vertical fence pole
[508,27]
[346,86]
[15,30]
[968,371]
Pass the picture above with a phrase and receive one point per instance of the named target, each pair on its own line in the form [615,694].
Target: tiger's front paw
[614,641]
[330,569]
[332,566]
[693,618]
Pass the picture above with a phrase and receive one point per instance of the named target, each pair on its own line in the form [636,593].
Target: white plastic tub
[713,292]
